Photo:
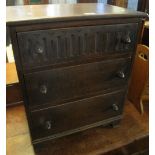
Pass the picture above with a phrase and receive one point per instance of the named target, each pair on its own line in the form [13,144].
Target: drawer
[54,46]
[78,115]
[66,84]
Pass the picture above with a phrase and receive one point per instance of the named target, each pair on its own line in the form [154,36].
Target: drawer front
[53,46]
[74,115]
[66,84]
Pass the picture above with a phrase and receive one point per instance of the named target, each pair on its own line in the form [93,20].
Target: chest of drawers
[74,63]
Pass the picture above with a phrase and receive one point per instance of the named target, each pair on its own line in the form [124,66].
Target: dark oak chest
[74,63]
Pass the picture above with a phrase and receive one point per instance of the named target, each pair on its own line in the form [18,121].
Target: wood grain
[13,89]
[16,121]
[139,76]
[34,13]
[80,115]
[76,82]
[56,46]
[90,142]
[13,94]
[11,73]
[72,80]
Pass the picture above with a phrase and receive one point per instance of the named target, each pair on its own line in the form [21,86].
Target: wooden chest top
[57,12]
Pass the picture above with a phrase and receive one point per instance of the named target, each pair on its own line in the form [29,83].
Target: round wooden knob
[115,107]
[48,125]
[126,39]
[43,89]
[121,74]
[39,50]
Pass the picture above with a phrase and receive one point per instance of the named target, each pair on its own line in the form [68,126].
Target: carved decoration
[60,45]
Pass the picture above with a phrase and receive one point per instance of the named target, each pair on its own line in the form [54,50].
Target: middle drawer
[66,84]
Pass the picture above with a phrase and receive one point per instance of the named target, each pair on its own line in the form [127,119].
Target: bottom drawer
[73,116]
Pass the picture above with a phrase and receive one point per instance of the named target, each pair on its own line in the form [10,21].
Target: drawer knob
[127,39]
[115,107]
[43,89]
[121,75]
[48,125]
[39,50]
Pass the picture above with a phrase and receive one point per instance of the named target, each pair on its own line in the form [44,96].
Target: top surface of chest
[57,12]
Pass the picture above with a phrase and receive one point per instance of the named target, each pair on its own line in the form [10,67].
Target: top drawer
[53,46]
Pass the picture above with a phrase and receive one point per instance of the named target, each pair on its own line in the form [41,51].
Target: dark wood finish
[66,118]
[24,26]
[57,86]
[66,12]
[13,95]
[143,5]
[145,35]
[74,78]
[131,137]
[55,46]
[145,39]
[138,147]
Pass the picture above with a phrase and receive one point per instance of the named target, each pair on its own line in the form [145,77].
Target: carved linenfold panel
[59,45]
